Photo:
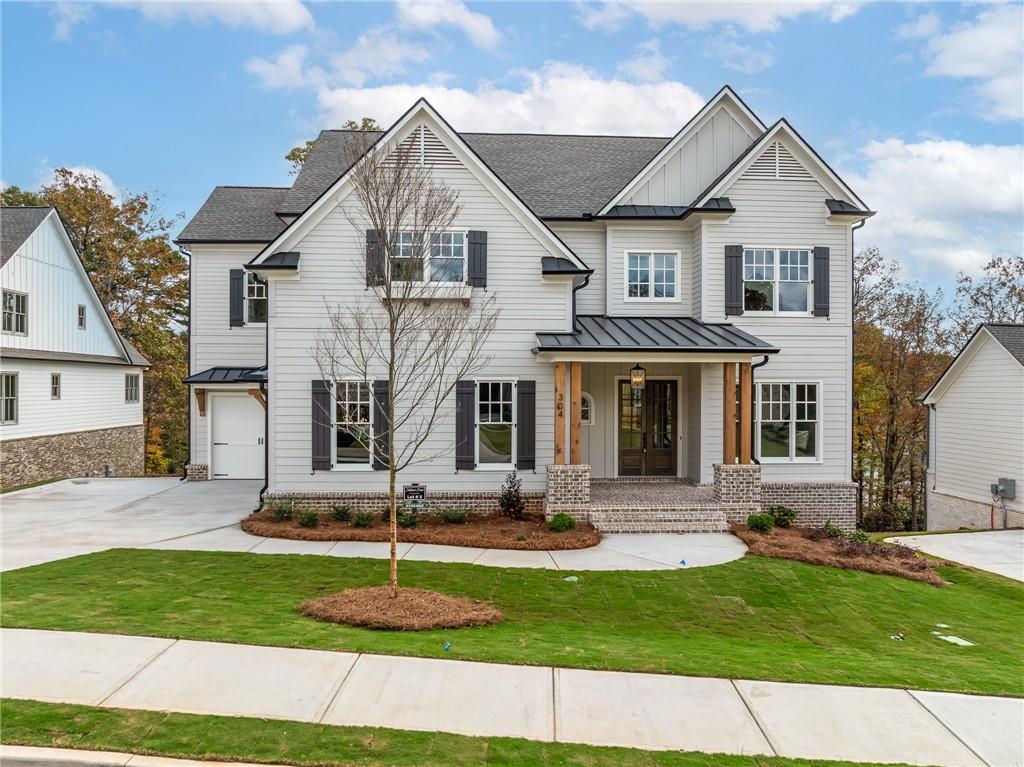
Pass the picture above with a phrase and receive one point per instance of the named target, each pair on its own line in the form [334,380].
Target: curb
[33,756]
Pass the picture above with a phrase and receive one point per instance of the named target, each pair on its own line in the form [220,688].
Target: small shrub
[309,518]
[341,513]
[783,515]
[511,500]
[454,516]
[362,519]
[761,523]
[832,531]
[561,523]
[408,519]
[859,536]
[282,510]
[385,516]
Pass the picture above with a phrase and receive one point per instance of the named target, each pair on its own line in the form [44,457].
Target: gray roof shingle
[16,224]
[237,214]
[1010,336]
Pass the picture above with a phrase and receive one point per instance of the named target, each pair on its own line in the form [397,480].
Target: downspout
[753,406]
[575,289]
[853,348]
[266,404]
[188,388]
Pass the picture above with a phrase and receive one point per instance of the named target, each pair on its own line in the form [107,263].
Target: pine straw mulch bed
[411,610]
[814,546]
[484,531]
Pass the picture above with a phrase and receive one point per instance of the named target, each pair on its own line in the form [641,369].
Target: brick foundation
[482,502]
[197,472]
[73,454]
[737,490]
[815,502]
[951,512]
[568,490]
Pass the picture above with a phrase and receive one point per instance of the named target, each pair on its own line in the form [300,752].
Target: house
[70,385]
[675,344]
[976,434]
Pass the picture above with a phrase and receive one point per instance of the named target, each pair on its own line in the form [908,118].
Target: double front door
[648,422]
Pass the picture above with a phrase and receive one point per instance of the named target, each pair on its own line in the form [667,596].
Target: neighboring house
[976,434]
[692,260]
[70,385]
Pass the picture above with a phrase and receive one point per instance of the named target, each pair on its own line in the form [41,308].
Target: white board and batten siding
[977,432]
[332,269]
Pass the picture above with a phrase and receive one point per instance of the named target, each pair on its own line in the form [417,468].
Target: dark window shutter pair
[734,280]
[477,262]
[375,265]
[465,425]
[321,416]
[236,301]
[381,423]
[820,281]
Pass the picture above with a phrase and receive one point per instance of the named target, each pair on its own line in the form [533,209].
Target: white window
[131,387]
[9,398]
[788,420]
[15,312]
[81,316]
[495,424]
[652,276]
[54,385]
[587,410]
[445,261]
[777,281]
[353,423]
[255,299]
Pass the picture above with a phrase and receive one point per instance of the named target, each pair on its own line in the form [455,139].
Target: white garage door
[237,423]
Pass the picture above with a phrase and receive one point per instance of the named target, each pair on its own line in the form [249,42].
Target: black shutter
[381,423]
[820,281]
[465,425]
[526,425]
[734,280]
[321,425]
[375,266]
[477,276]
[236,301]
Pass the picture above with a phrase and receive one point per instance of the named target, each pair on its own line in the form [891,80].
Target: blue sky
[920,106]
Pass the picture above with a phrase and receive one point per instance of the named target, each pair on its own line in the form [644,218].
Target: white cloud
[733,54]
[377,53]
[427,14]
[990,51]
[942,205]
[753,16]
[106,182]
[287,70]
[558,98]
[925,25]
[67,16]
[649,63]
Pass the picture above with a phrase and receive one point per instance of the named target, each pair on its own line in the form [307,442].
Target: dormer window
[652,276]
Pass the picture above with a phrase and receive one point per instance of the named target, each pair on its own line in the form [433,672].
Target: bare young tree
[416,330]
[996,296]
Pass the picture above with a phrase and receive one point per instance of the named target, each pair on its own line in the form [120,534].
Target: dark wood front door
[647,424]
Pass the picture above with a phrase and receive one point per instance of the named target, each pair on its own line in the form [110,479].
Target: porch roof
[601,333]
[228,375]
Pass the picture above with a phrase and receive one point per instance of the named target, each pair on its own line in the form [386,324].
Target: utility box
[1005,489]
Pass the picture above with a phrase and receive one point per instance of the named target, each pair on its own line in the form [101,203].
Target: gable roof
[1007,334]
[237,214]
[16,224]
[426,114]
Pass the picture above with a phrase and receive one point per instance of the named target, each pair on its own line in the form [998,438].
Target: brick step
[666,520]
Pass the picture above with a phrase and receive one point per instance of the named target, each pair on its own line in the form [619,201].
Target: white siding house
[976,434]
[71,386]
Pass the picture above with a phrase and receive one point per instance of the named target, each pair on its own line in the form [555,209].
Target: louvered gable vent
[777,162]
[429,149]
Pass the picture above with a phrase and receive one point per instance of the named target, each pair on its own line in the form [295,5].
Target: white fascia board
[818,168]
[423,112]
[729,100]
[956,367]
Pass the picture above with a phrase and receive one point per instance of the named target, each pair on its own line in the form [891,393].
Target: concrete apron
[648,711]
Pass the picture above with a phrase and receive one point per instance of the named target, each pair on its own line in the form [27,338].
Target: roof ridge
[518,133]
[250,186]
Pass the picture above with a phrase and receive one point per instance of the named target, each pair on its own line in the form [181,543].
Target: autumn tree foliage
[143,281]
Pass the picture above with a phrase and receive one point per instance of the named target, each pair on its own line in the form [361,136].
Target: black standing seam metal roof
[599,332]
[226,375]
[559,265]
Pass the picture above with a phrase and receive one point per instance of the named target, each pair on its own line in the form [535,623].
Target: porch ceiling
[601,333]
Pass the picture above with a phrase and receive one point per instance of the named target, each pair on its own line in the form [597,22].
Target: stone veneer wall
[815,502]
[73,454]
[483,502]
[197,472]
[951,512]
[568,490]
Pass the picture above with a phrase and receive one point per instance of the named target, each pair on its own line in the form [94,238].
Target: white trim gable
[422,114]
[962,360]
[786,135]
[726,99]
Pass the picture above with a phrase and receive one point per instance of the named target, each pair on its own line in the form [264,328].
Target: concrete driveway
[73,517]
[997,551]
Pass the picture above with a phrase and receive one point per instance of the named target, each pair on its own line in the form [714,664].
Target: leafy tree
[298,155]
[15,196]
[997,296]
[367,123]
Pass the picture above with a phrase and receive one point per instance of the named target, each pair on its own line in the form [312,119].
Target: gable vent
[778,162]
[428,149]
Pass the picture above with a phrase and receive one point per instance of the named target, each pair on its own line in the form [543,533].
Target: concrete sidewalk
[649,711]
[32,756]
[997,551]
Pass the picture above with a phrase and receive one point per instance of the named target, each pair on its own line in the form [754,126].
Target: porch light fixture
[637,378]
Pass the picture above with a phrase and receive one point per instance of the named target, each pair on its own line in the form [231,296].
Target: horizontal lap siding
[643,239]
[979,429]
[588,242]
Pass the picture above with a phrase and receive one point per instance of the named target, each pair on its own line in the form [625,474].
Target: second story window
[255,299]
[54,385]
[443,262]
[15,312]
[131,387]
[652,276]
[777,281]
[81,317]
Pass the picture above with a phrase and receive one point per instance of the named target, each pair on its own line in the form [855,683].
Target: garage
[236,436]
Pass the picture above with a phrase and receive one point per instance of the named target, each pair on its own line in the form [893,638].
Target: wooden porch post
[575,412]
[559,413]
[729,412]
[746,378]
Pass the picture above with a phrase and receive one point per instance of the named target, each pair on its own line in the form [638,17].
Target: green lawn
[754,618]
[31,723]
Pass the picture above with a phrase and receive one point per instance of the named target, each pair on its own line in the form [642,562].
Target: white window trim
[15,332]
[511,465]
[16,397]
[245,302]
[626,298]
[138,388]
[586,396]
[346,467]
[426,264]
[56,378]
[775,292]
[792,445]
[81,317]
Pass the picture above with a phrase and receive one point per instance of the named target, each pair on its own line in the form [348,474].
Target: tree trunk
[394,529]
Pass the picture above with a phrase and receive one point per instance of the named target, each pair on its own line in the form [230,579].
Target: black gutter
[753,407]
[576,289]
[188,390]
[266,406]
